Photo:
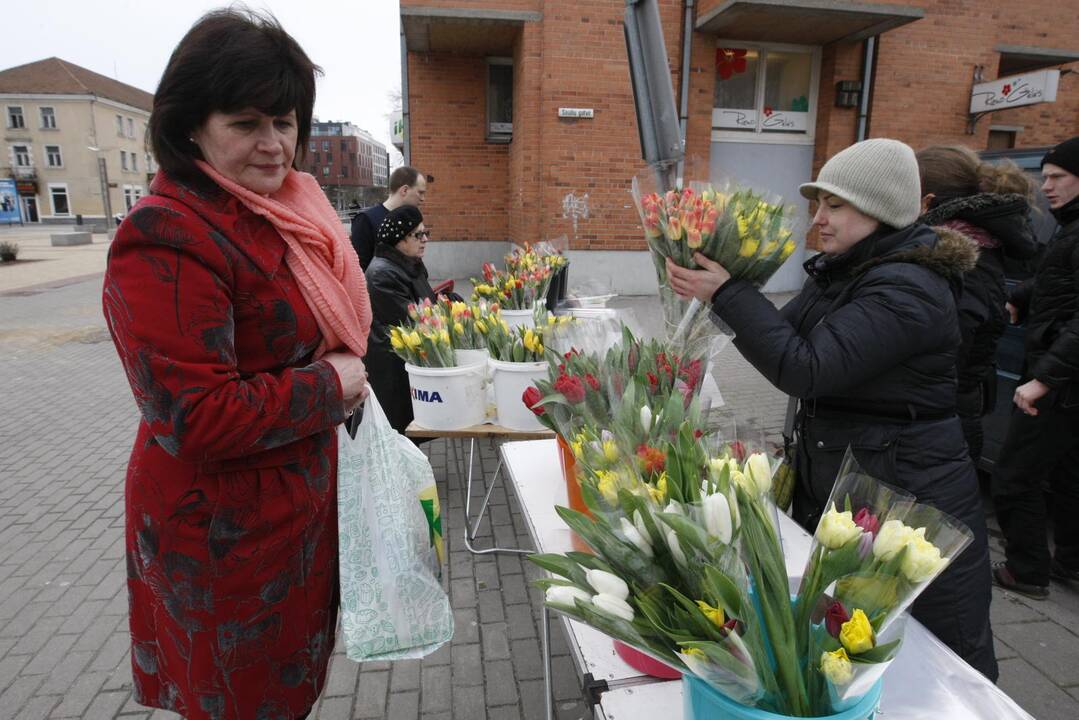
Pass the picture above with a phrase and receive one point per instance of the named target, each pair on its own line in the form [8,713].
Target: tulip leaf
[562,566]
[878,654]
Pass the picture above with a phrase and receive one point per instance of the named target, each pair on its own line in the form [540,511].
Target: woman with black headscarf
[396,278]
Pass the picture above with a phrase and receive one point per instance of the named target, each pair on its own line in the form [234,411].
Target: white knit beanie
[879,177]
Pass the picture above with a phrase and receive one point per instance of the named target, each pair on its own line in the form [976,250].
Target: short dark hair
[402,176]
[229,60]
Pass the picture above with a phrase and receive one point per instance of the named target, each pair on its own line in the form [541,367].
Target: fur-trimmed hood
[951,256]
[946,252]
[1004,216]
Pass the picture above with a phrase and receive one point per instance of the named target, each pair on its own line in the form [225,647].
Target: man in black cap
[1043,435]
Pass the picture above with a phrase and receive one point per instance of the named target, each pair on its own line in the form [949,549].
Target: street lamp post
[103,177]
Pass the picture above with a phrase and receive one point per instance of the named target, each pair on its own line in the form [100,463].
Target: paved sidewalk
[39,263]
[67,421]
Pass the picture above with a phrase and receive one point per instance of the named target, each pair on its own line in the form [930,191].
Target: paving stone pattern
[67,422]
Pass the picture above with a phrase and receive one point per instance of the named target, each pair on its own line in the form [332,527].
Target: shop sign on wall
[1015,91]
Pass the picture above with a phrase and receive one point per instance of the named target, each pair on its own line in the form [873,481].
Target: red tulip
[867,521]
[834,618]
[530,397]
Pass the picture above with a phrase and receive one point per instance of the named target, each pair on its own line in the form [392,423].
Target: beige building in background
[59,120]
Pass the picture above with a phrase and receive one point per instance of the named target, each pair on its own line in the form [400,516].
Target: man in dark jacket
[1043,437]
[869,349]
[407,187]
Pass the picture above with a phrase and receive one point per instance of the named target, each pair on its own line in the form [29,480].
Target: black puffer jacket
[869,346]
[1004,218]
[394,280]
[1048,305]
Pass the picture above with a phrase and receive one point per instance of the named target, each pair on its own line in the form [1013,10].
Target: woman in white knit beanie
[868,349]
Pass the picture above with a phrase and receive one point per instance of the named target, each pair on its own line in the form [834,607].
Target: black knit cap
[398,224]
[1065,155]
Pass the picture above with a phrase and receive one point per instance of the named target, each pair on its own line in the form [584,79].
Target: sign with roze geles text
[1015,91]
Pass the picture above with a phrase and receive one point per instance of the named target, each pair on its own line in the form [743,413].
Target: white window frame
[120,125]
[773,138]
[59,157]
[52,200]
[131,127]
[10,119]
[123,160]
[48,121]
[501,133]
[28,154]
[134,161]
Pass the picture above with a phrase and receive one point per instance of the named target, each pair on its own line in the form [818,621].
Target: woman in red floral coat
[240,314]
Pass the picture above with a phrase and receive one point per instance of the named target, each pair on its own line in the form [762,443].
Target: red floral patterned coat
[232,483]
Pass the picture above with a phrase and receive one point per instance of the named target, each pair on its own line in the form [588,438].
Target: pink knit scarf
[318,253]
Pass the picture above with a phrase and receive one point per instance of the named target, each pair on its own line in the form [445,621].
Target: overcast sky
[357,43]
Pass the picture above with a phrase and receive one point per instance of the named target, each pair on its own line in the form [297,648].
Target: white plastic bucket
[511,379]
[519,318]
[448,398]
[472,357]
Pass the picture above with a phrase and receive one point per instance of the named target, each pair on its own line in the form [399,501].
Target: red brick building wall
[574,56]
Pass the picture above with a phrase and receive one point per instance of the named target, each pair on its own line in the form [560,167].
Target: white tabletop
[926,679]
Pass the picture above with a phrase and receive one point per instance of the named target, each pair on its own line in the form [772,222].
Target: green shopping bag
[393,606]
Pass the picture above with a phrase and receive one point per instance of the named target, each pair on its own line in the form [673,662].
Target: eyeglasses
[421,234]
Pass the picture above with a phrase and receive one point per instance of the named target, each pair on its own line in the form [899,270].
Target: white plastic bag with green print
[393,606]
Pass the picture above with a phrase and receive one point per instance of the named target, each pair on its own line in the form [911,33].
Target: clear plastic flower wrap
[749,231]
[874,551]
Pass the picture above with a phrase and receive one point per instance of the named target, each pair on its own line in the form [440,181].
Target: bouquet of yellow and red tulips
[468,323]
[531,257]
[737,227]
[424,344]
[513,290]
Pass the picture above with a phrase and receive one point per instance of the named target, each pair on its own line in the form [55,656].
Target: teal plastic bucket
[701,702]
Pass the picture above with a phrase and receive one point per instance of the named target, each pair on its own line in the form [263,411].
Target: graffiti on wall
[575,208]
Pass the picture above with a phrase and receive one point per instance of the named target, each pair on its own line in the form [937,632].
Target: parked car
[1010,350]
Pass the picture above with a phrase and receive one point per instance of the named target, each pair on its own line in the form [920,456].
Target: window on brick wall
[765,93]
[499,99]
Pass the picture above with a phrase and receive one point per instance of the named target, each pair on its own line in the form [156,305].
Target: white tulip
[613,606]
[638,522]
[759,470]
[565,595]
[717,517]
[646,418]
[605,583]
[836,529]
[674,507]
[676,549]
[635,537]
[892,537]
[922,560]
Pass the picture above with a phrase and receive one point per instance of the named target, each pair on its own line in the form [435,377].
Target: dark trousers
[1039,448]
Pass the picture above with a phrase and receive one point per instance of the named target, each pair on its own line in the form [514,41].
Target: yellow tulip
[836,667]
[714,614]
[857,634]
[608,485]
[444,337]
[749,247]
[459,328]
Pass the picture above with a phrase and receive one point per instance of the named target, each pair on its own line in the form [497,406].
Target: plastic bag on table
[393,606]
